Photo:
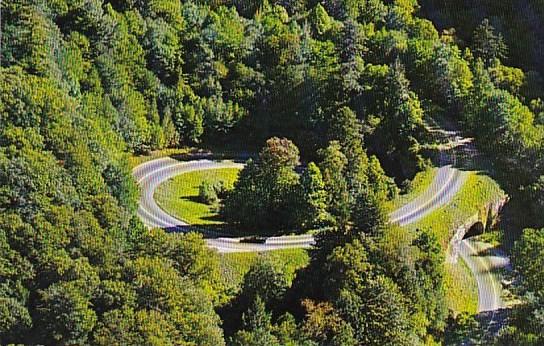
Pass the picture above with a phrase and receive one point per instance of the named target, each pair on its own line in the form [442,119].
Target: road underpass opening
[476,229]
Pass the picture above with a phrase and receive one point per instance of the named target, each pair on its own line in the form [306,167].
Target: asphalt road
[446,183]
[485,262]
[150,175]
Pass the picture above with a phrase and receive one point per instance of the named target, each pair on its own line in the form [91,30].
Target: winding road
[485,262]
[445,185]
[150,175]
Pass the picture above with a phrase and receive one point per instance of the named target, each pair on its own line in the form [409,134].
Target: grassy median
[179,195]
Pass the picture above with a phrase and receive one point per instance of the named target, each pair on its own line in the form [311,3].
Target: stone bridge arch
[474,230]
[477,224]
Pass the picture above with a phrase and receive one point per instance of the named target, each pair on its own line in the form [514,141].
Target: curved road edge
[443,188]
[445,185]
[486,263]
[153,173]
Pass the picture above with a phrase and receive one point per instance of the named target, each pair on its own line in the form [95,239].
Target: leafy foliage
[210,192]
[526,326]
[264,195]
[83,84]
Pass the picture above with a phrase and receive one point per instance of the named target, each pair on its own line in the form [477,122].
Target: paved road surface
[486,263]
[443,188]
[150,175]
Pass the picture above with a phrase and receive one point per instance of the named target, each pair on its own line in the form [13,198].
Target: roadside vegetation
[476,193]
[413,188]
[495,238]
[526,325]
[135,160]
[461,288]
[234,266]
[347,85]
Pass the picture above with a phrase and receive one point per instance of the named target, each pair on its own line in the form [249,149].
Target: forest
[332,97]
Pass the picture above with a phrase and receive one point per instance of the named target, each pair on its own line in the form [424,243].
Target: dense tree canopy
[527,322]
[265,194]
[339,93]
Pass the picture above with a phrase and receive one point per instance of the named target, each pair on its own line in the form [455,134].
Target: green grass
[460,284]
[461,288]
[477,191]
[179,195]
[235,265]
[136,160]
[493,238]
[418,185]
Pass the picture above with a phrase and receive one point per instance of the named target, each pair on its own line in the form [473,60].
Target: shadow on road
[492,322]
[199,154]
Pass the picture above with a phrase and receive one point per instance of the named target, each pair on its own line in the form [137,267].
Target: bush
[211,192]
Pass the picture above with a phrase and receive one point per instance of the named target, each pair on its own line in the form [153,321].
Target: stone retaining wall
[488,216]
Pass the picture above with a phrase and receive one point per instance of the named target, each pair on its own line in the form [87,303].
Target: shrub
[211,192]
